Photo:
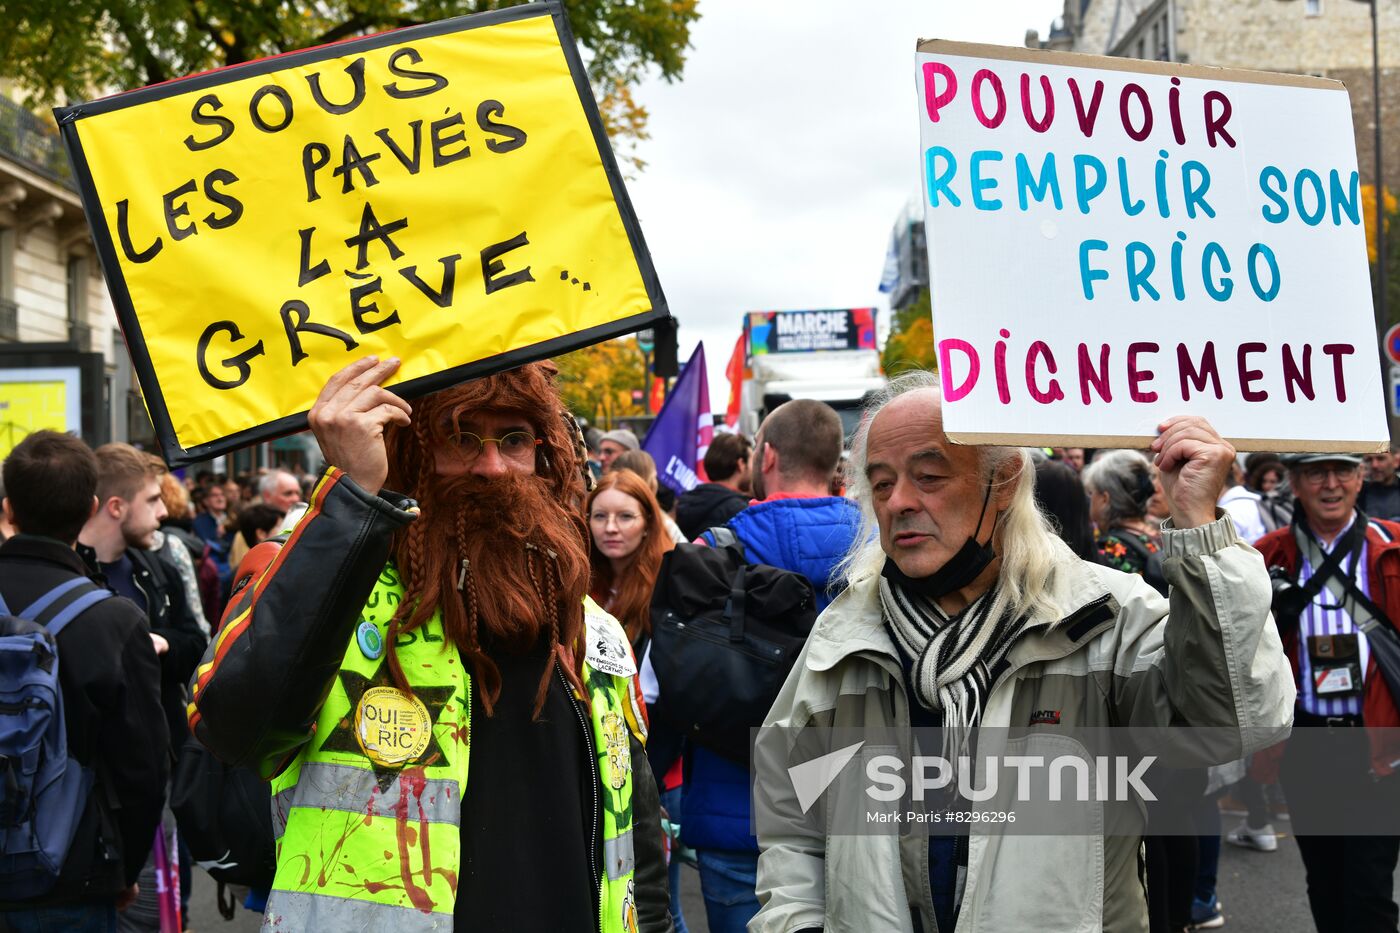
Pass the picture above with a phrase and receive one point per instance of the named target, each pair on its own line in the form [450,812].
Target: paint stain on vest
[414,781]
[369,809]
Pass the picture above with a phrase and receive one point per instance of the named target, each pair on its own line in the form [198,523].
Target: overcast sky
[778,164]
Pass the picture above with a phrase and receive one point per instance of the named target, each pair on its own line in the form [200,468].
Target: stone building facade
[1329,38]
[51,288]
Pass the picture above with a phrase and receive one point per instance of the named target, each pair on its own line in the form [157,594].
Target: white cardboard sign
[1113,242]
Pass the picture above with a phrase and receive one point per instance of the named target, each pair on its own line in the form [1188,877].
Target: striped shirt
[1324,617]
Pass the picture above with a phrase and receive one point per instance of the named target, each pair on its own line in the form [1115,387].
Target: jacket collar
[89,557]
[852,624]
[37,547]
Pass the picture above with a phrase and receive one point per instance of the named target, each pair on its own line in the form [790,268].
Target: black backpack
[725,633]
[224,815]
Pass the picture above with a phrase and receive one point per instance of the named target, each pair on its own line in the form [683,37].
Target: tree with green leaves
[57,52]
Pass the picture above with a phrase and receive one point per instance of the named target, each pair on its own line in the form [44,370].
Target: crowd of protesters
[1109,507]
[531,552]
[160,542]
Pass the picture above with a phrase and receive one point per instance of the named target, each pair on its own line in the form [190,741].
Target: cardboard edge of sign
[1143,441]
[1130,65]
[176,455]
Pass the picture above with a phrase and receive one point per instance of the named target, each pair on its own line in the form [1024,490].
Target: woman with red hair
[627,541]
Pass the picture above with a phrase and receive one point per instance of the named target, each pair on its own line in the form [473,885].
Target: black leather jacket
[295,607]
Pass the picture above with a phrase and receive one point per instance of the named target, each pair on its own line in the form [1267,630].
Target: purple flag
[682,432]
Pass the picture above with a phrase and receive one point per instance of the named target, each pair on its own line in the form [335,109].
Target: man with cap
[1330,571]
[614,443]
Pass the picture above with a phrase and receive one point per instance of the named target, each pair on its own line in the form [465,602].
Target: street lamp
[646,342]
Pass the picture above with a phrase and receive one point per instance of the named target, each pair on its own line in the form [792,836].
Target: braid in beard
[485,669]
[570,660]
[413,565]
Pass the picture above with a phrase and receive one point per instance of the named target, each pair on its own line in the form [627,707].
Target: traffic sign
[1394,392]
[1392,344]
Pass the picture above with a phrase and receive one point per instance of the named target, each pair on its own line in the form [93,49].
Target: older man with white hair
[280,490]
[963,609]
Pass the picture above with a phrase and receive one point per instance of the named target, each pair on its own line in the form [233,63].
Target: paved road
[1261,893]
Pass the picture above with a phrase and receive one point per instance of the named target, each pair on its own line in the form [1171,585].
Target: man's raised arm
[256,693]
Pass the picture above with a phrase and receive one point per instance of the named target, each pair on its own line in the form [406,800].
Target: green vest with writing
[368,813]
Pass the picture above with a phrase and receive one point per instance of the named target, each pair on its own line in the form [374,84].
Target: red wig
[504,556]
[632,604]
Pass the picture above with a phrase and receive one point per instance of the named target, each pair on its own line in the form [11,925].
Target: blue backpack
[43,792]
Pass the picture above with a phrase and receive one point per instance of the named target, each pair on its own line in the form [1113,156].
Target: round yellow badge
[392,727]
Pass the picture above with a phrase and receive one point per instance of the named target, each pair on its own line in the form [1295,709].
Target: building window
[7,263]
[1312,7]
[9,310]
[77,289]
[77,301]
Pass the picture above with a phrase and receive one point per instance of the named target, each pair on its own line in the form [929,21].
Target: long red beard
[499,556]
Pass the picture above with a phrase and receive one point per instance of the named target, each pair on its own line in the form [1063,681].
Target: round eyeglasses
[517,445]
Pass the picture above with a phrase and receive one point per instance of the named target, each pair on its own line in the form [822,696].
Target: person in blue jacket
[794,524]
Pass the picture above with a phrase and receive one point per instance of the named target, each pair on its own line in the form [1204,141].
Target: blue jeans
[727,881]
[74,918]
[671,801]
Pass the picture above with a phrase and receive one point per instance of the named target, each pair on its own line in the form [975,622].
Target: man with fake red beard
[368,655]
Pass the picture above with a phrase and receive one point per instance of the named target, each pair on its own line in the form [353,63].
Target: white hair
[1032,555]
[268,484]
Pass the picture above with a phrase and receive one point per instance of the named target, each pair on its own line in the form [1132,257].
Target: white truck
[827,355]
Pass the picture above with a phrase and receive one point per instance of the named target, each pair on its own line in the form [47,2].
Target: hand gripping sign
[1112,242]
[443,193]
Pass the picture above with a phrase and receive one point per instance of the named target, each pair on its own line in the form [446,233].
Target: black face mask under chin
[960,570]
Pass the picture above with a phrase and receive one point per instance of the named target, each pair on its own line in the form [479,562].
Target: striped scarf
[953,657]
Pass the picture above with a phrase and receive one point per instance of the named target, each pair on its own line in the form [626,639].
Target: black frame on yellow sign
[505,181]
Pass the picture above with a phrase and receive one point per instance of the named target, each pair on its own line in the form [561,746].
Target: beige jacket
[1123,655]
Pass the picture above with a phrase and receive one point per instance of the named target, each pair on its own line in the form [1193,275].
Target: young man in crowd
[109,678]
[796,525]
[115,543]
[1339,563]
[964,609]
[390,637]
[727,492]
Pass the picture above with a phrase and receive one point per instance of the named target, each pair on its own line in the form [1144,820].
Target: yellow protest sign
[443,193]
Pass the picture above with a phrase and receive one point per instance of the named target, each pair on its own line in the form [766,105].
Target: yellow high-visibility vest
[368,813]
